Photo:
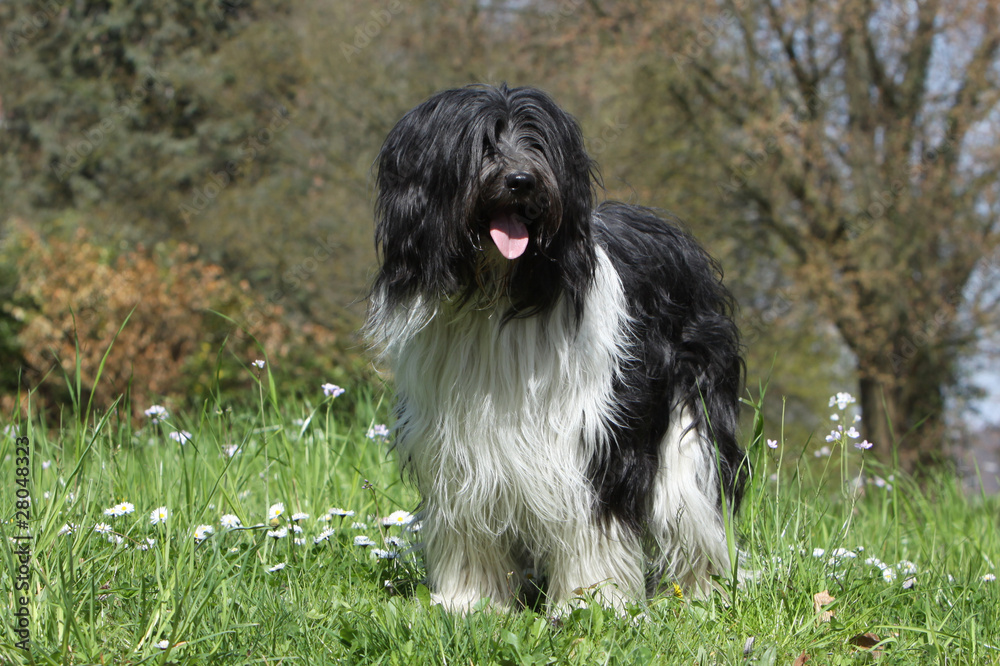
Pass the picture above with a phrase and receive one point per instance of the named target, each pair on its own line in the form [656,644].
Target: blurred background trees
[839,158]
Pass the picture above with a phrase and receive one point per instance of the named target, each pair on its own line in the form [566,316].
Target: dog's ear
[423,174]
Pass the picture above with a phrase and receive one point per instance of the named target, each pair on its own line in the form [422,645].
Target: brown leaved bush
[72,298]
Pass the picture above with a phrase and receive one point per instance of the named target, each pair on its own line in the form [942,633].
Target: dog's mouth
[510,233]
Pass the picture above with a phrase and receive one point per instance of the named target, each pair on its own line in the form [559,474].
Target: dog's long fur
[568,402]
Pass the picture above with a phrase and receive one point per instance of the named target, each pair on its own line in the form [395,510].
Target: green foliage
[102,597]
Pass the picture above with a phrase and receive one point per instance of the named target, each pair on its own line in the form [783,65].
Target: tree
[862,151]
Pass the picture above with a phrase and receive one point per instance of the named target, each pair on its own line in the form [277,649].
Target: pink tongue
[510,235]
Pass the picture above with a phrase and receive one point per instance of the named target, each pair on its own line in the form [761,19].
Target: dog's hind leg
[686,523]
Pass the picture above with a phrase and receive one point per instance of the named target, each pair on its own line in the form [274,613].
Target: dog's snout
[520,182]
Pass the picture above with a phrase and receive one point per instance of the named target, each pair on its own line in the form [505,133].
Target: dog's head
[485,193]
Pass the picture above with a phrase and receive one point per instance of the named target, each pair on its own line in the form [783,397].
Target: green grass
[98,598]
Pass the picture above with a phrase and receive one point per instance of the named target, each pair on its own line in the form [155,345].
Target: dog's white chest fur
[498,423]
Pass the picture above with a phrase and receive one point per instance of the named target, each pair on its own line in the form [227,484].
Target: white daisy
[398,518]
[343,513]
[159,515]
[323,536]
[229,521]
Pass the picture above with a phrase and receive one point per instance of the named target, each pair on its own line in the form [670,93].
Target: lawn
[277,530]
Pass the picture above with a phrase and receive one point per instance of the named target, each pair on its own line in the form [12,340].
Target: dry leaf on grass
[801,659]
[867,640]
[821,599]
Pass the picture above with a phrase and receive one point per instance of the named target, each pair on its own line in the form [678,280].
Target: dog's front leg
[603,561]
[464,567]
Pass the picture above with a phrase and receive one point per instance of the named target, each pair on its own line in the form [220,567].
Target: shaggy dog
[568,374]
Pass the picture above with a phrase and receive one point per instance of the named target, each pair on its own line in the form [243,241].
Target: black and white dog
[568,375]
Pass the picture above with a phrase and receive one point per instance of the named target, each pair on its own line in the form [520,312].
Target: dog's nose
[520,182]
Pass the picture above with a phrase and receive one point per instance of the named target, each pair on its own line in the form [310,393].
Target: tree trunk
[903,413]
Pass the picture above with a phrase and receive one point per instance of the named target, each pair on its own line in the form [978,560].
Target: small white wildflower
[772,443]
[300,541]
[343,513]
[297,529]
[875,562]
[113,511]
[988,578]
[276,567]
[398,518]
[823,452]
[332,390]
[230,449]
[275,511]
[378,432]
[202,532]
[103,528]
[863,445]
[126,508]
[279,533]
[359,526]
[363,541]
[159,515]
[413,527]
[888,574]
[157,413]
[853,433]
[46,464]
[906,567]
[841,553]
[857,418]
[910,583]
[229,521]
[180,436]
[395,541]
[818,552]
[164,644]
[147,544]
[68,528]
[259,364]
[299,516]
[384,554]
[842,400]
[323,536]
[834,417]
